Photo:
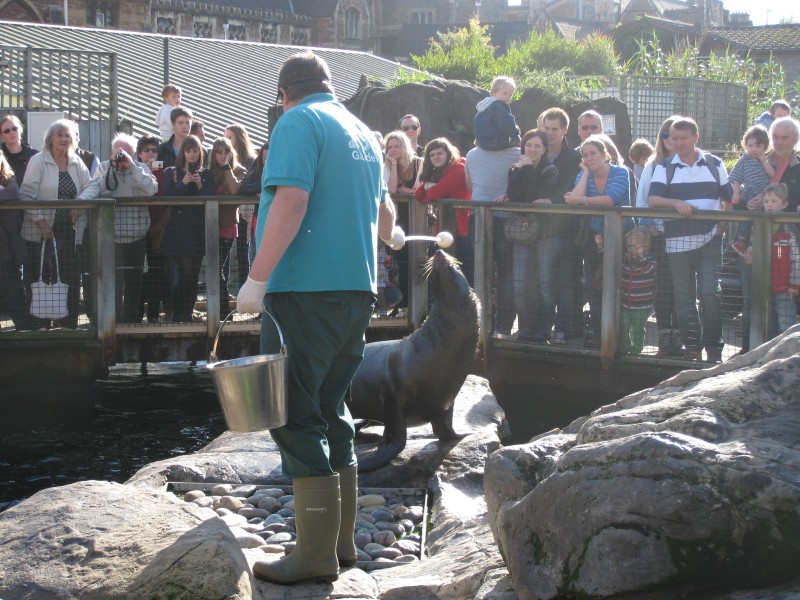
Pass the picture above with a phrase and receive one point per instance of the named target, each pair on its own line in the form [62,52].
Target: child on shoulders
[172,99]
[495,126]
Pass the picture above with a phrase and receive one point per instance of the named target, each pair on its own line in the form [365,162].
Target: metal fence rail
[719,108]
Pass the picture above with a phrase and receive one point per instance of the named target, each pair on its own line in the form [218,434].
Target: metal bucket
[253,390]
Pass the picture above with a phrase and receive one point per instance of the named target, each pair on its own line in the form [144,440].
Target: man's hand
[684,209]
[398,239]
[251,296]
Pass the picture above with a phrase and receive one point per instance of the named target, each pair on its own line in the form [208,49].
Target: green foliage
[542,60]
[765,82]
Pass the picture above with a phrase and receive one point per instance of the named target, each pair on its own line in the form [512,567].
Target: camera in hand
[192,167]
[120,156]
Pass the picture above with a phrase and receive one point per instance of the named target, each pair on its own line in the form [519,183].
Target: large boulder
[694,483]
[94,540]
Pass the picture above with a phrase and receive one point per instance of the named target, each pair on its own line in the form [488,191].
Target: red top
[452,184]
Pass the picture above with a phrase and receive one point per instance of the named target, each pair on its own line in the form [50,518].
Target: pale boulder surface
[94,539]
[693,483]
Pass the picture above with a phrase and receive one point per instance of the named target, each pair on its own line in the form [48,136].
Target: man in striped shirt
[693,180]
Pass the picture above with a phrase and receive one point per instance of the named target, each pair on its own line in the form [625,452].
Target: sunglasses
[590,127]
[149,149]
[407,127]
[10,129]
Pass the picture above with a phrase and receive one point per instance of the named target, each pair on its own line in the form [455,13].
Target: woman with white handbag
[57,173]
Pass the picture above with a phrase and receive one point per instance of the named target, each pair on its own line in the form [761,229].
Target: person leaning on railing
[184,237]
[124,177]
[57,173]
[249,159]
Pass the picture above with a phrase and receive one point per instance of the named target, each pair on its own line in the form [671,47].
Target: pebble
[252,513]
[384,538]
[194,495]
[269,503]
[371,500]
[278,538]
[386,531]
[221,489]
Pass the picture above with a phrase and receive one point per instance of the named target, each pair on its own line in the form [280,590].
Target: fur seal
[415,380]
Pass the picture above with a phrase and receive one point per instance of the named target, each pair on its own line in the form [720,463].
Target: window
[236,31]
[300,36]
[269,33]
[99,14]
[351,22]
[55,14]
[202,28]
[421,17]
[166,23]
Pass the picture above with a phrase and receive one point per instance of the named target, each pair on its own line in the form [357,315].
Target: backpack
[687,227]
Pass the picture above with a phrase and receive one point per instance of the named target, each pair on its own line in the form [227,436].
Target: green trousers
[632,328]
[324,335]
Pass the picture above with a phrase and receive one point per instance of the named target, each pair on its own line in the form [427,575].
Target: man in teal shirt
[323,204]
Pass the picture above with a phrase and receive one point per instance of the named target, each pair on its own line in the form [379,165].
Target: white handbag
[49,300]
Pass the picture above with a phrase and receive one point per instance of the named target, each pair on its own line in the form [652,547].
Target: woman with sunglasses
[184,237]
[669,335]
[16,152]
[228,174]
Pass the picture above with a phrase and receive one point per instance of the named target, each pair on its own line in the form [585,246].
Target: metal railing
[99,315]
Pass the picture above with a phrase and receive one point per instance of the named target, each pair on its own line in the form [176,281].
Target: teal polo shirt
[320,147]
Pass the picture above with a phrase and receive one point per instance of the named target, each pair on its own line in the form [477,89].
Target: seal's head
[444,276]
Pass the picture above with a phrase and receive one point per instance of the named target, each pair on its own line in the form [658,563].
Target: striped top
[638,289]
[750,173]
[617,188]
[696,185]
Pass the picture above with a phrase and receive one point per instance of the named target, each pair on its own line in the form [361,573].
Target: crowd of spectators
[547,267]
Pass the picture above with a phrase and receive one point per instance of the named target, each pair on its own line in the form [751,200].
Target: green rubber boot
[317,509]
[345,546]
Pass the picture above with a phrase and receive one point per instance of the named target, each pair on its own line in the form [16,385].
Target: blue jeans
[523,272]
[695,273]
[503,259]
[783,314]
[549,256]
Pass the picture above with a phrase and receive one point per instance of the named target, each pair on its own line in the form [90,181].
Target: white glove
[251,296]
[398,239]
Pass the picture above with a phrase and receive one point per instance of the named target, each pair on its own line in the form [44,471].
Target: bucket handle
[212,358]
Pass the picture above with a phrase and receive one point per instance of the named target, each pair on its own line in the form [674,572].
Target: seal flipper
[393,443]
[443,427]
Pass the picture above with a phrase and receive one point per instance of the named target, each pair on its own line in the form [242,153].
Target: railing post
[212,267]
[104,280]
[761,281]
[484,239]
[417,303]
[612,270]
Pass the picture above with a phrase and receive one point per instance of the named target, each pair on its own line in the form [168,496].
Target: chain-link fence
[720,109]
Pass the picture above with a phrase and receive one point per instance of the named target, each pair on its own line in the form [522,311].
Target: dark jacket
[12,246]
[251,186]
[495,126]
[530,183]
[166,153]
[19,161]
[791,177]
[185,233]
[568,164]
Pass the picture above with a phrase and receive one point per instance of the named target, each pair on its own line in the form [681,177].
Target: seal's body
[415,380]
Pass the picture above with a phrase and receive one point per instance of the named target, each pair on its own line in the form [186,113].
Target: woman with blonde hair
[237,135]
[401,166]
[228,175]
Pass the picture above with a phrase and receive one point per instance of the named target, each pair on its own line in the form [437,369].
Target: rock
[370,500]
[221,489]
[390,553]
[406,546]
[250,513]
[194,495]
[269,503]
[105,540]
[231,503]
[384,538]
[233,520]
[694,483]
[247,539]
[205,502]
